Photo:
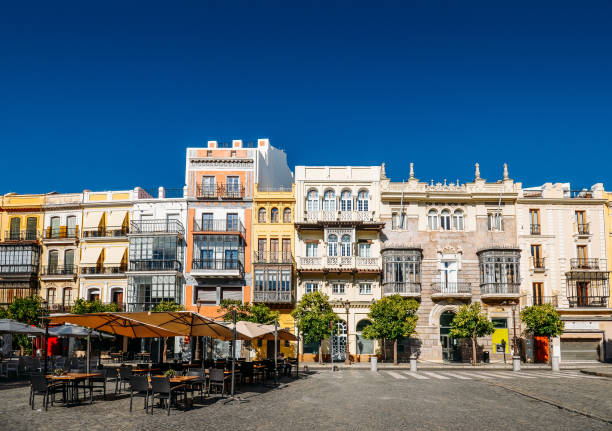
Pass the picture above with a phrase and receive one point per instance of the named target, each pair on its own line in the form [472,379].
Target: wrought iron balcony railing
[102,270]
[583,263]
[338,216]
[588,301]
[538,263]
[62,233]
[451,288]
[534,229]
[581,194]
[157,226]
[155,265]
[500,289]
[59,270]
[106,232]
[273,257]
[402,288]
[273,297]
[220,191]
[582,228]
[540,300]
[220,225]
[217,265]
[19,269]
[21,235]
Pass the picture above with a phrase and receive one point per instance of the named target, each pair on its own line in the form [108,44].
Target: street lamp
[347,358]
[516,359]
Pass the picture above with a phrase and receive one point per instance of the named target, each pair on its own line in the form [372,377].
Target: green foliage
[312,315]
[82,306]
[3,313]
[168,306]
[542,320]
[469,322]
[257,313]
[393,317]
[26,310]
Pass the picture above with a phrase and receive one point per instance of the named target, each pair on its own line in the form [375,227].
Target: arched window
[53,262]
[329,201]
[55,227]
[332,245]
[69,261]
[445,220]
[274,215]
[346,245]
[346,201]
[287,215]
[261,217]
[312,201]
[432,219]
[363,200]
[458,220]
[364,346]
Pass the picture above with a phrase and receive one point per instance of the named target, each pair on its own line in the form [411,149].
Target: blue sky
[108,95]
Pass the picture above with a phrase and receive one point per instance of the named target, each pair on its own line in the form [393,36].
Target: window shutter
[232,293]
[207,294]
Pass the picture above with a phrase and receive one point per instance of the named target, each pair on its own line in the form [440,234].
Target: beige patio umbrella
[114,323]
[266,332]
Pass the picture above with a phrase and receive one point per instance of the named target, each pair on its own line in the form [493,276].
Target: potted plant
[170,373]
[59,372]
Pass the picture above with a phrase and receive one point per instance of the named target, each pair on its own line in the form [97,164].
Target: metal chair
[98,383]
[199,383]
[40,386]
[112,376]
[162,390]
[125,374]
[216,379]
[139,386]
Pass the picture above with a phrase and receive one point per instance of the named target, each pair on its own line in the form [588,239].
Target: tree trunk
[395,352]
[320,354]
[474,348]
[165,349]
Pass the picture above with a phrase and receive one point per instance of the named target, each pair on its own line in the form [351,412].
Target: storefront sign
[584,325]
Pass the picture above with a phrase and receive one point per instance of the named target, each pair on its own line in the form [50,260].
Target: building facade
[337,244]
[562,234]
[449,244]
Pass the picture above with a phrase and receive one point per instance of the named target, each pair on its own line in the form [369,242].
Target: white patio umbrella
[10,326]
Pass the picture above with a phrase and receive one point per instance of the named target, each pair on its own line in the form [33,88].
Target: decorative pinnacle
[477,174]
[506,171]
[411,170]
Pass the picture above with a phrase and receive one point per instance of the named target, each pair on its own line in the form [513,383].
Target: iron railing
[534,229]
[273,257]
[338,216]
[584,263]
[221,191]
[541,300]
[538,263]
[155,265]
[275,297]
[157,226]
[102,270]
[217,265]
[398,288]
[500,289]
[21,235]
[19,269]
[219,225]
[588,301]
[106,232]
[62,233]
[532,193]
[582,228]
[581,194]
[59,270]
[451,288]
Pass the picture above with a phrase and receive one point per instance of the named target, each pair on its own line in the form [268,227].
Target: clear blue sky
[107,95]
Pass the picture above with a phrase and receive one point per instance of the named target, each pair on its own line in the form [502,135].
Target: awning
[92,219]
[116,218]
[114,256]
[90,255]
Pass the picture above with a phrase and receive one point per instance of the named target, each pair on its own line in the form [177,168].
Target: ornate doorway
[339,342]
[449,344]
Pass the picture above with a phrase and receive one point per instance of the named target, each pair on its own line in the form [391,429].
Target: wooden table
[71,380]
[144,370]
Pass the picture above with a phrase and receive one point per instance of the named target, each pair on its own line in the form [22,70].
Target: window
[232,185]
[311,287]
[458,220]
[445,220]
[286,244]
[534,221]
[536,256]
[583,256]
[394,221]
[332,245]
[346,201]
[364,346]
[448,275]
[15,228]
[55,227]
[233,154]
[364,249]
[53,261]
[499,271]
[312,249]
[31,228]
[207,221]
[71,226]
[274,250]
[274,215]
[365,289]
[287,215]
[231,220]
[581,223]
[494,222]
[208,153]
[208,186]
[261,249]
[362,201]
[338,288]
[261,215]
[346,245]
[329,201]
[312,201]
[69,261]
[538,295]
[432,220]
[51,295]
[67,296]
[402,266]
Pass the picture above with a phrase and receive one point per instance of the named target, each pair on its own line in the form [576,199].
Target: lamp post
[516,359]
[347,358]
[197,339]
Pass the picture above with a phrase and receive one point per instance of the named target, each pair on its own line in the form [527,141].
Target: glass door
[448,277]
[448,343]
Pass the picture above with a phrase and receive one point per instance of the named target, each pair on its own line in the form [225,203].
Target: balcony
[459,289]
[106,232]
[230,268]
[102,270]
[272,297]
[582,229]
[280,257]
[411,290]
[21,235]
[156,226]
[340,264]
[61,234]
[53,272]
[216,226]
[220,191]
[9,291]
[367,264]
[538,264]
[534,229]
[540,300]
[588,301]
[588,264]
[364,219]
[311,264]
[150,265]
[580,194]
[19,269]
[498,291]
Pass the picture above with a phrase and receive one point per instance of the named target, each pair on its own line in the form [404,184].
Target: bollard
[374,364]
[413,365]
[516,363]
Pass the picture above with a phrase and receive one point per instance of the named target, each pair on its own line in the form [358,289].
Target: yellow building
[104,246]
[273,263]
[20,230]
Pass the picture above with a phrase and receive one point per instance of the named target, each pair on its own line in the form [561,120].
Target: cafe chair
[162,390]
[139,386]
[216,379]
[40,386]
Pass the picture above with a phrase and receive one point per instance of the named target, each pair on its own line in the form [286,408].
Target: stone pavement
[427,365]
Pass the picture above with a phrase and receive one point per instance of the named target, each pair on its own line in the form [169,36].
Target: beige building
[448,244]
[562,236]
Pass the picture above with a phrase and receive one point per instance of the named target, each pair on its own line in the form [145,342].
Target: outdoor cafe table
[70,380]
[144,370]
